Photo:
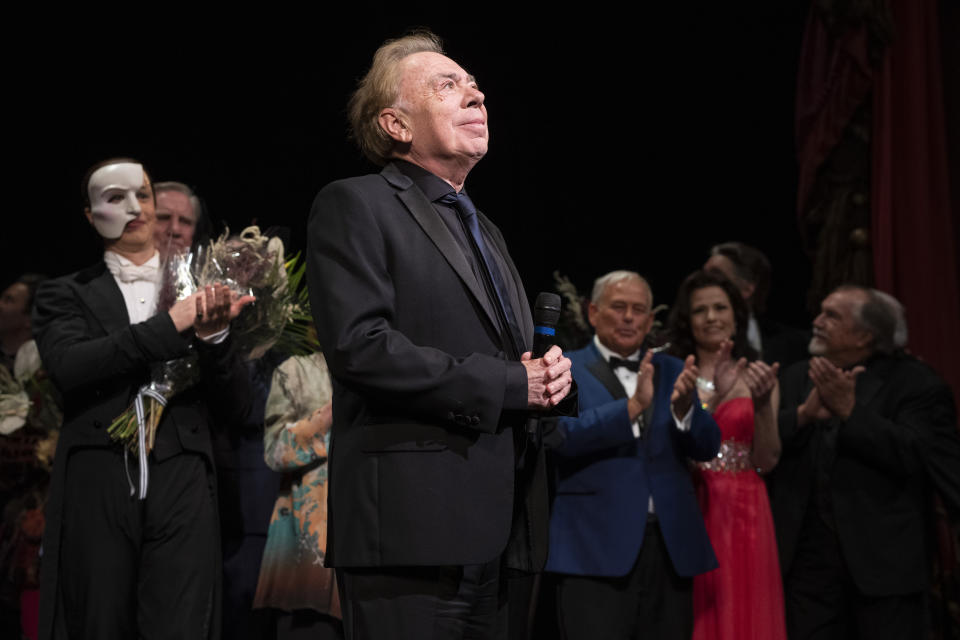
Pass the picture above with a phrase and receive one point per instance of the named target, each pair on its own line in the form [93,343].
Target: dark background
[618,139]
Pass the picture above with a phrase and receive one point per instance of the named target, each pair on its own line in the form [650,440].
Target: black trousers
[823,603]
[440,603]
[131,568]
[306,624]
[651,601]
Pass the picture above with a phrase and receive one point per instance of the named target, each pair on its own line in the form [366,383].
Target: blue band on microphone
[545,331]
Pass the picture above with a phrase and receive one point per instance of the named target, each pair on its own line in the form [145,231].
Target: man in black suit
[130,547]
[863,427]
[426,327]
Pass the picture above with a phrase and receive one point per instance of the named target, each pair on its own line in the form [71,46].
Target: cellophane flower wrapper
[250,264]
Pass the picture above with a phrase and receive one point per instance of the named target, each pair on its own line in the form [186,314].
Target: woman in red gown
[743,598]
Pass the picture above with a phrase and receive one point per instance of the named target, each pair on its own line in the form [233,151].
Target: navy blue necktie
[468,214]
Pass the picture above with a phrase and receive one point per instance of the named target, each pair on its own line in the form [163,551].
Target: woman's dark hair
[679,333]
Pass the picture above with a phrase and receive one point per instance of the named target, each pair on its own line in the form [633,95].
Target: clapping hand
[216,306]
[761,378]
[682,396]
[727,372]
[835,387]
[643,396]
[812,409]
[208,311]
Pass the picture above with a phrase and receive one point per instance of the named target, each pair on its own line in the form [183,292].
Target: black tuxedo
[98,360]
[428,396]
[862,485]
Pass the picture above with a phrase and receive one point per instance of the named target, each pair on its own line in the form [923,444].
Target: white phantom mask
[113,197]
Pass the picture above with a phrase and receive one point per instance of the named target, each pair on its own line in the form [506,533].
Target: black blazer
[880,482]
[426,399]
[98,360]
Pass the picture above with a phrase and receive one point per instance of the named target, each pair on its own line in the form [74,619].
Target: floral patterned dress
[292,575]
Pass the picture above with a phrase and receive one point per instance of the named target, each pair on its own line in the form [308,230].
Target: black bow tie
[632,365]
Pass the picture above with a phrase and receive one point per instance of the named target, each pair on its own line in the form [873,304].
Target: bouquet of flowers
[250,264]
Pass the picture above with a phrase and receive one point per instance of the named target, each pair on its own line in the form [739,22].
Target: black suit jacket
[782,343]
[426,399]
[98,360]
[880,482]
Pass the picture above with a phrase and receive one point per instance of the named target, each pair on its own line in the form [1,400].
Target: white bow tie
[134,273]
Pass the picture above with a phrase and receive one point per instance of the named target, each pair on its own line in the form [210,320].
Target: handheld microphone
[546,313]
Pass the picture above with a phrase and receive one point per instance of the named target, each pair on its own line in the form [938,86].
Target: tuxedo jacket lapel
[648,412]
[102,296]
[601,370]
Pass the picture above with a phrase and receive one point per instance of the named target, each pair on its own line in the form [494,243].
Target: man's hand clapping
[682,396]
[209,311]
[835,387]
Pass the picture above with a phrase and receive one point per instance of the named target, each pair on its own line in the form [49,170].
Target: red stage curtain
[833,80]
[912,227]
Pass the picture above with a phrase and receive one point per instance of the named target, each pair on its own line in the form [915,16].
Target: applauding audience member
[742,599]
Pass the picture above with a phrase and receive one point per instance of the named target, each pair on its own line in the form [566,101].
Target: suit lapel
[648,412]
[868,384]
[601,370]
[426,216]
[102,296]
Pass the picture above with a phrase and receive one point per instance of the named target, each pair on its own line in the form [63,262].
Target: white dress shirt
[628,379]
[140,286]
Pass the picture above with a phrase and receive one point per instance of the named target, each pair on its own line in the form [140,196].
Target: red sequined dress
[742,599]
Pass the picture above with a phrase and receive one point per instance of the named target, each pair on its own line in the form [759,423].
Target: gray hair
[380,88]
[604,281]
[180,187]
[894,308]
[882,316]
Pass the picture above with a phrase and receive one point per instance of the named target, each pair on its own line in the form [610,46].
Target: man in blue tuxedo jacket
[626,533]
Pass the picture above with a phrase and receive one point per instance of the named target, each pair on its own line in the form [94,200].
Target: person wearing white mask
[131,545]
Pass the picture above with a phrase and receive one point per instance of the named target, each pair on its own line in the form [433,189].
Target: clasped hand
[209,311]
[548,378]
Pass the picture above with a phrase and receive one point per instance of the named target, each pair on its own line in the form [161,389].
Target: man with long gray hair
[868,432]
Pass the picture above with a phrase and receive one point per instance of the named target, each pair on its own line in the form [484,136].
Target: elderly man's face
[836,333]
[622,316]
[176,222]
[443,110]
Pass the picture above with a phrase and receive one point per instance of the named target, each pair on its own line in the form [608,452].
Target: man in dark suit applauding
[626,533]
[867,432]
[426,329]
